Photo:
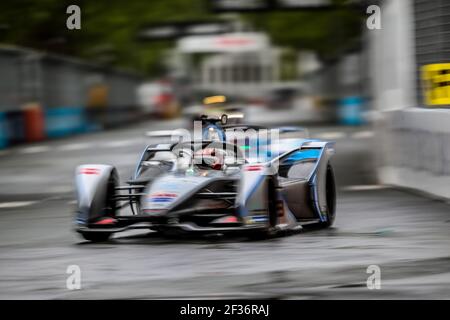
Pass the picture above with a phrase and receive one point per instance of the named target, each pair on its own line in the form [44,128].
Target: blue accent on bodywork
[260,218]
[303,154]
[162,199]
[285,145]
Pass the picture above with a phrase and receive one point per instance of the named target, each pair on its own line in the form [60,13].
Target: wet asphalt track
[406,235]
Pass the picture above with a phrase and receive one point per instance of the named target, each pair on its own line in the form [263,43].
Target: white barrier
[413,149]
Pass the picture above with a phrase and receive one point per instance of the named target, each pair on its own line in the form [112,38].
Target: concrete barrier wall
[413,149]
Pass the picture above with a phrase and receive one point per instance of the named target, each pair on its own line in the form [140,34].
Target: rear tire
[96,236]
[331,197]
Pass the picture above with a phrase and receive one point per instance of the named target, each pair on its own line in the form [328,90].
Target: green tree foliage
[328,32]
[109,28]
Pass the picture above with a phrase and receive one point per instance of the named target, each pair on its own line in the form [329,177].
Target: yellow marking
[436,84]
[214,99]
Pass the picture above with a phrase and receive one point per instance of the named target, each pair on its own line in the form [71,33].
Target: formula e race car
[260,187]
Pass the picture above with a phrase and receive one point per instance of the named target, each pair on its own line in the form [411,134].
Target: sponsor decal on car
[164,192]
[256,219]
[95,171]
[162,197]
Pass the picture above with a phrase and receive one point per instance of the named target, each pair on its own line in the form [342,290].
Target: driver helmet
[210,158]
